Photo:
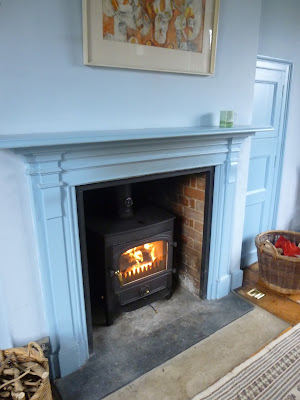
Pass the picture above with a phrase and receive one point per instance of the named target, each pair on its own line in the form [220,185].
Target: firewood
[29,383]
[17,396]
[27,377]
[9,387]
[13,380]
[32,390]
[10,371]
[15,372]
[19,366]
[36,368]
[5,362]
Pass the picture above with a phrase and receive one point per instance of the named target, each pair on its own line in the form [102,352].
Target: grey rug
[128,353]
[273,373]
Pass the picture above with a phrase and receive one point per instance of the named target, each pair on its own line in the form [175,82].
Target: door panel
[264,95]
[269,99]
[258,173]
[253,223]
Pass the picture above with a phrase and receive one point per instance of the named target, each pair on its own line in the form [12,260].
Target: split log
[31,390]
[9,387]
[5,362]
[27,377]
[15,372]
[17,396]
[13,380]
[19,367]
[9,371]
[36,368]
[34,384]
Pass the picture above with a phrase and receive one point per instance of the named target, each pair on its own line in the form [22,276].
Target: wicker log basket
[278,272]
[33,353]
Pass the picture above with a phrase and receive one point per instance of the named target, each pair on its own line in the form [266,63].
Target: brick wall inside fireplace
[185,197]
[189,201]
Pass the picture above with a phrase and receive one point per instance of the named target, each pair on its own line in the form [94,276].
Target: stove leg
[109,319]
[169,295]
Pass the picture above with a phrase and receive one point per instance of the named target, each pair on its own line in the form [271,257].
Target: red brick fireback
[187,203]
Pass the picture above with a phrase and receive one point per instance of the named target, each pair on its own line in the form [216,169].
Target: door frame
[287,67]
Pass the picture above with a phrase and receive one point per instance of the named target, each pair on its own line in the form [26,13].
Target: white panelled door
[269,109]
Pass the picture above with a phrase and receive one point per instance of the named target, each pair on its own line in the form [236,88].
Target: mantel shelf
[29,140]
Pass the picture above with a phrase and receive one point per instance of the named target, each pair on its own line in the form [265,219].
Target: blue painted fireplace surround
[56,163]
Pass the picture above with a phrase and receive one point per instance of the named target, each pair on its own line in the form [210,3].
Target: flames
[140,259]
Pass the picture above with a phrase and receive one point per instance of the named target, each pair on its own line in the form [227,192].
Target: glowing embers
[144,260]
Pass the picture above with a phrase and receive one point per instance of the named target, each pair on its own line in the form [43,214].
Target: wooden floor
[286,307]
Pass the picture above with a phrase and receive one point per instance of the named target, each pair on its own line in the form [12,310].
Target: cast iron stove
[130,259]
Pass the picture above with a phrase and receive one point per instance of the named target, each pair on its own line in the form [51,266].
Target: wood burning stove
[110,232]
[130,258]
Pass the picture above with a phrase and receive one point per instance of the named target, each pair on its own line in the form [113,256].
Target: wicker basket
[280,273]
[34,353]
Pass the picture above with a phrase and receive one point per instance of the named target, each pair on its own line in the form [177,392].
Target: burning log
[147,256]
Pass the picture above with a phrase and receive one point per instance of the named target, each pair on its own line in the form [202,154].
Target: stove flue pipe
[124,201]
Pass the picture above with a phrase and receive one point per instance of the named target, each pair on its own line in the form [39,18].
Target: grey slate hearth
[143,339]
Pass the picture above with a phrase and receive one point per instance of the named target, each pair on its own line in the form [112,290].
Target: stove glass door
[141,261]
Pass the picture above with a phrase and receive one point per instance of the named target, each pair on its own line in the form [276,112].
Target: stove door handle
[120,276]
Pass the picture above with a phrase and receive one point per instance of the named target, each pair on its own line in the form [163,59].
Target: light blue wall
[280,37]
[45,88]
[21,295]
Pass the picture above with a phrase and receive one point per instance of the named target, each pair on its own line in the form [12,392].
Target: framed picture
[161,35]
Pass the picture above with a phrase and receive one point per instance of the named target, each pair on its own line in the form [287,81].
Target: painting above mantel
[160,35]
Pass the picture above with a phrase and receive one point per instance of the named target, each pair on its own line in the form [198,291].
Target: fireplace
[131,253]
[57,163]
[130,259]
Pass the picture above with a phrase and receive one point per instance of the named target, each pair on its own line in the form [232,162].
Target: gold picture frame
[177,36]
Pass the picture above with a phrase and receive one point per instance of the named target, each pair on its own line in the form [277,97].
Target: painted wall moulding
[56,163]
